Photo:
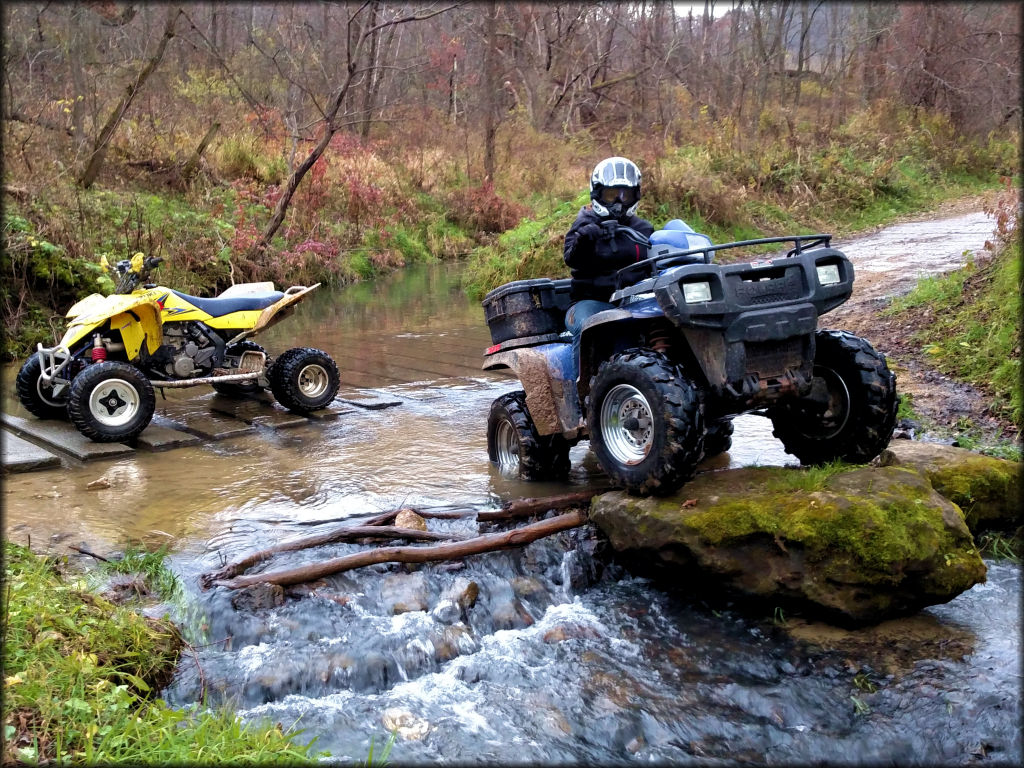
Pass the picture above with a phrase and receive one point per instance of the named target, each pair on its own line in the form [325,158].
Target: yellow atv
[101,375]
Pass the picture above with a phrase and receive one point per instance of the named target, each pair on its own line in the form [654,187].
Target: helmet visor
[625,195]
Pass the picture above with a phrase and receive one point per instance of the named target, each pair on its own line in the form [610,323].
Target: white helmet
[615,187]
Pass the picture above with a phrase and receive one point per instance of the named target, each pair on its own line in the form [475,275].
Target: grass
[974,329]
[150,565]
[808,479]
[80,675]
[999,545]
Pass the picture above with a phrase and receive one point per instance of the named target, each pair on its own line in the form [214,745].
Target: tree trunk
[193,161]
[76,48]
[490,543]
[491,89]
[371,76]
[99,152]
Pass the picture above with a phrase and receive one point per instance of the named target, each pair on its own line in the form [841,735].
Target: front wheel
[515,447]
[646,422]
[111,402]
[304,379]
[36,394]
[851,411]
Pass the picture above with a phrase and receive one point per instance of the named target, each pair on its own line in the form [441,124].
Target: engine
[192,349]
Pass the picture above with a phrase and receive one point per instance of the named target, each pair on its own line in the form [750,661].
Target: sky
[720,8]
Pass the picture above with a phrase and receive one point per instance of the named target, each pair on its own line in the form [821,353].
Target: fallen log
[508,511]
[478,545]
[349,533]
[532,506]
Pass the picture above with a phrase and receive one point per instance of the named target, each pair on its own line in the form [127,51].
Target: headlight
[694,293]
[828,274]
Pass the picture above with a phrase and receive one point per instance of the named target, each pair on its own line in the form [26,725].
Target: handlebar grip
[635,236]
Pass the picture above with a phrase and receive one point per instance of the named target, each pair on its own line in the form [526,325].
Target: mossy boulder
[987,489]
[855,545]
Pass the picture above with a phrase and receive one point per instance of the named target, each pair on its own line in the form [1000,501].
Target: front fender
[611,331]
[135,316]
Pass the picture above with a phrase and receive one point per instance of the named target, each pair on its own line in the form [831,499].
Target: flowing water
[545,654]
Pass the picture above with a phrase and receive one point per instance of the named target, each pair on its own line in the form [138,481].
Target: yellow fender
[135,315]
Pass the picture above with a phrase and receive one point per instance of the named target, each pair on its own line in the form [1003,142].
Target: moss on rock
[987,489]
[860,544]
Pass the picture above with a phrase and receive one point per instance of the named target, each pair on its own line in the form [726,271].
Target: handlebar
[629,232]
[129,277]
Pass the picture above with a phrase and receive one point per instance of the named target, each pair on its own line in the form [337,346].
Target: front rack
[652,265]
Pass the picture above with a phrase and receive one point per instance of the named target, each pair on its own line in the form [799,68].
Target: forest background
[302,142]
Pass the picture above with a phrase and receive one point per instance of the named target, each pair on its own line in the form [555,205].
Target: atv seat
[219,307]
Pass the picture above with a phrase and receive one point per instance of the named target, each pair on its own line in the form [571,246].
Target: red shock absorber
[99,352]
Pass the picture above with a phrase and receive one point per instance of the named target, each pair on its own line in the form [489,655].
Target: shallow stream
[539,655]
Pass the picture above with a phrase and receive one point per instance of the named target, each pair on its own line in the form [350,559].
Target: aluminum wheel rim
[627,446]
[506,446]
[313,381]
[114,402]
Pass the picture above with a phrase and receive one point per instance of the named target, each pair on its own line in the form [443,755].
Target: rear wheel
[239,388]
[851,411]
[111,402]
[515,447]
[646,422]
[36,394]
[304,379]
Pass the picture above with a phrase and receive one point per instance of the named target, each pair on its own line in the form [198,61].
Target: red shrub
[480,209]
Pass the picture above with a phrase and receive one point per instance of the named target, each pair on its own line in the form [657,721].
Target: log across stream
[377,529]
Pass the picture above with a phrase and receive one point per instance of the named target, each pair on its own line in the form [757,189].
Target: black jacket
[594,253]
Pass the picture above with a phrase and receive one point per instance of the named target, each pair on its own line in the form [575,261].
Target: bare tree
[102,143]
[329,124]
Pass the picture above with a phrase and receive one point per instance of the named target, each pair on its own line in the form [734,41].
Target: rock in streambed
[987,489]
[852,545]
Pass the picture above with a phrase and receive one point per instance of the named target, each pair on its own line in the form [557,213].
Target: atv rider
[594,250]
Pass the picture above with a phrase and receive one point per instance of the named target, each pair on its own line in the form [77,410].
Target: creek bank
[856,546]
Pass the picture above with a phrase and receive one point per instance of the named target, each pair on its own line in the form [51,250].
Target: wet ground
[540,655]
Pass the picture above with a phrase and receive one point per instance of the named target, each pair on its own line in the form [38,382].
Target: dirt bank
[946,406]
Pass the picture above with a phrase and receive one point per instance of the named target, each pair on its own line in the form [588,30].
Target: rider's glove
[590,232]
[608,229]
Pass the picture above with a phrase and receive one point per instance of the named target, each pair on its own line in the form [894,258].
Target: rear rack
[652,265]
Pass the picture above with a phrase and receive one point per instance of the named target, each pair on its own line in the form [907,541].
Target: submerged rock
[987,489]
[258,597]
[404,592]
[857,546]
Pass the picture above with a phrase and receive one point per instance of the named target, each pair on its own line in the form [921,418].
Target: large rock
[987,489]
[855,547]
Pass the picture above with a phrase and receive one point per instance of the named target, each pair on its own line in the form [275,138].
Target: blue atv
[689,345]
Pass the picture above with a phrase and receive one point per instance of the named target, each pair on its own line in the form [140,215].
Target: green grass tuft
[80,676]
